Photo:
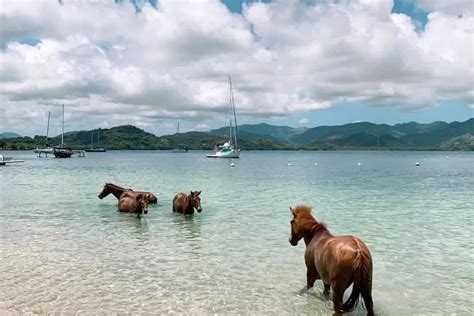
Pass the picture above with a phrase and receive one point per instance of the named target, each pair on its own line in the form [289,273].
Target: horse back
[128,204]
[338,256]
[180,202]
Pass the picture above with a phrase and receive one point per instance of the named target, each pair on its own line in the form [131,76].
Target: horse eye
[292,221]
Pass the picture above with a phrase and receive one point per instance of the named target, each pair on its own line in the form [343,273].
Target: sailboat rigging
[46,150]
[229,149]
[179,148]
[62,151]
[97,149]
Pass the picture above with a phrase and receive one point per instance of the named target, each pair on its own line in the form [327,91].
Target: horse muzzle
[145,211]
[293,242]
[199,210]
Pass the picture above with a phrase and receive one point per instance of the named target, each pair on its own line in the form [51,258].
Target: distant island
[439,135]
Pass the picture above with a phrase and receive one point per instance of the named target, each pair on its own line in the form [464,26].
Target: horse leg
[311,277]
[327,289]
[337,297]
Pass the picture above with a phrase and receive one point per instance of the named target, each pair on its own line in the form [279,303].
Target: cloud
[454,7]
[202,126]
[110,64]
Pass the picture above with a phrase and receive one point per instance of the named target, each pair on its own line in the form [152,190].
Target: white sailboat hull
[44,150]
[220,154]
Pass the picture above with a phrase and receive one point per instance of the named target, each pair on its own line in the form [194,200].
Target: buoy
[447,157]
[232,165]
[315,163]
[289,164]
[359,163]
[417,164]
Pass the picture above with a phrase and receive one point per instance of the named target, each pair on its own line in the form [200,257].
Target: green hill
[7,135]
[280,134]
[364,135]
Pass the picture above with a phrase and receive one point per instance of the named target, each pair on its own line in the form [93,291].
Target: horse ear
[192,193]
[293,210]
[199,193]
[138,197]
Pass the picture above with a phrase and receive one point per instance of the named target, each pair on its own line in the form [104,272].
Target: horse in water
[338,261]
[186,203]
[133,204]
[115,190]
[130,201]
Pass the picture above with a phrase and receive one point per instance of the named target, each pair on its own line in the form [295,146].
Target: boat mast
[62,134]
[92,139]
[98,138]
[232,104]
[47,128]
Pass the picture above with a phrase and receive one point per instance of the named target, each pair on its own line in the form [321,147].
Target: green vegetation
[355,136]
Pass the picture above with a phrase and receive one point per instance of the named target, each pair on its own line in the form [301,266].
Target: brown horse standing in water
[186,203]
[133,204]
[338,261]
[117,191]
[130,201]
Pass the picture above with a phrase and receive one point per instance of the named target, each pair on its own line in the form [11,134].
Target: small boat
[5,160]
[179,148]
[97,149]
[230,148]
[226,150]
[61,151]
[46,150]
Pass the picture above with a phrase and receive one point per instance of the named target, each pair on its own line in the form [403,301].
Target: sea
[65,251]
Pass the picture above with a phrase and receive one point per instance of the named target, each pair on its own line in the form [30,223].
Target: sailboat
[229,149]
[179,148]
[97,149]
[62,151]
[47,150]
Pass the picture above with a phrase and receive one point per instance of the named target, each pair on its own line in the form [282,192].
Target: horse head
[301,214]
[196,200]
[143,203]
[105,191]
[151,198]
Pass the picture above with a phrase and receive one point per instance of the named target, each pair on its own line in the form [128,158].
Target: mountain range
[363,135]
[9,135]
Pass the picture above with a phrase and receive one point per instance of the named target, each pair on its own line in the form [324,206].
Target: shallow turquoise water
[64,250]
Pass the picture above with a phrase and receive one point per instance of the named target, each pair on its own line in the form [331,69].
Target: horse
[133,204]
[338,261]
[186,203]
[115,190]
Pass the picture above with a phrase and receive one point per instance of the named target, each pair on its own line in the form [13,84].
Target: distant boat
[46,150]
[179,148]
[230,148]
[62,151]
[5,160]
[97,149]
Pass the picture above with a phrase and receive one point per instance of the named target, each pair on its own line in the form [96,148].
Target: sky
[297,63]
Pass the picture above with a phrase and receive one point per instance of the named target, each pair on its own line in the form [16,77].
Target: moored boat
[229,149]
[97,149]
[179,148]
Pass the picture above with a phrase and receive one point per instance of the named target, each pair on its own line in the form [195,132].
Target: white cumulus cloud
[111,64]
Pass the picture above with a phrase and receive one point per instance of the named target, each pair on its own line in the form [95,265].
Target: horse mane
[113,185]
[305,212]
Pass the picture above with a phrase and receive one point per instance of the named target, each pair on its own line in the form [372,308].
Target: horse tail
[362,270]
